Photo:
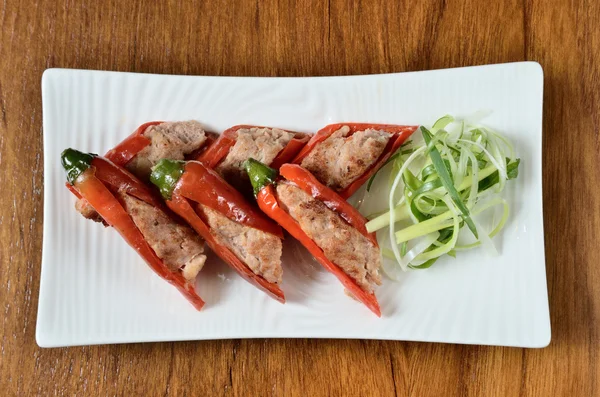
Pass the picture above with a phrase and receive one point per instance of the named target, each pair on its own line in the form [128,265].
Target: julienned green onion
[444,176]
[436,187]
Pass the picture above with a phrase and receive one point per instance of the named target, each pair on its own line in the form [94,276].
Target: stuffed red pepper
[272,146]
[234,229]
[122,201]
[332,230]
[151,142]
[344,156]
[158,140]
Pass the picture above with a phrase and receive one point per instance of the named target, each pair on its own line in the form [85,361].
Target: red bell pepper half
[399,135]
[184,185]
[134,143]
[94,179]
[263,179]
[219,150]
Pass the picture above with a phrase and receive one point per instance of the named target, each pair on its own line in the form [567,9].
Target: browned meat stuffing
[177,245]
[172,140]
[340,159]
[262,144]
[85,209]
[342,244]
[259,250]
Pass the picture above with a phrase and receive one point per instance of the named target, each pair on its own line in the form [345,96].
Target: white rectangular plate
[95,289]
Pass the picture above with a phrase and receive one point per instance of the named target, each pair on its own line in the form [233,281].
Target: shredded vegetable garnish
[438,185]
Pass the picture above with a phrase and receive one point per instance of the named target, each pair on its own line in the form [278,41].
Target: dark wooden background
[304,38]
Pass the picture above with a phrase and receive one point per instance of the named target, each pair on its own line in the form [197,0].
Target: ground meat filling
[172,140]
[342,244]
[177,245]
[85,209]
[259,250]
[340,159]
[262,144]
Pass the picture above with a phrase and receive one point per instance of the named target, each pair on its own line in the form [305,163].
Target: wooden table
[282,38]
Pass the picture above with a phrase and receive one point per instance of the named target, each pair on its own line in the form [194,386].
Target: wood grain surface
[304,38]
